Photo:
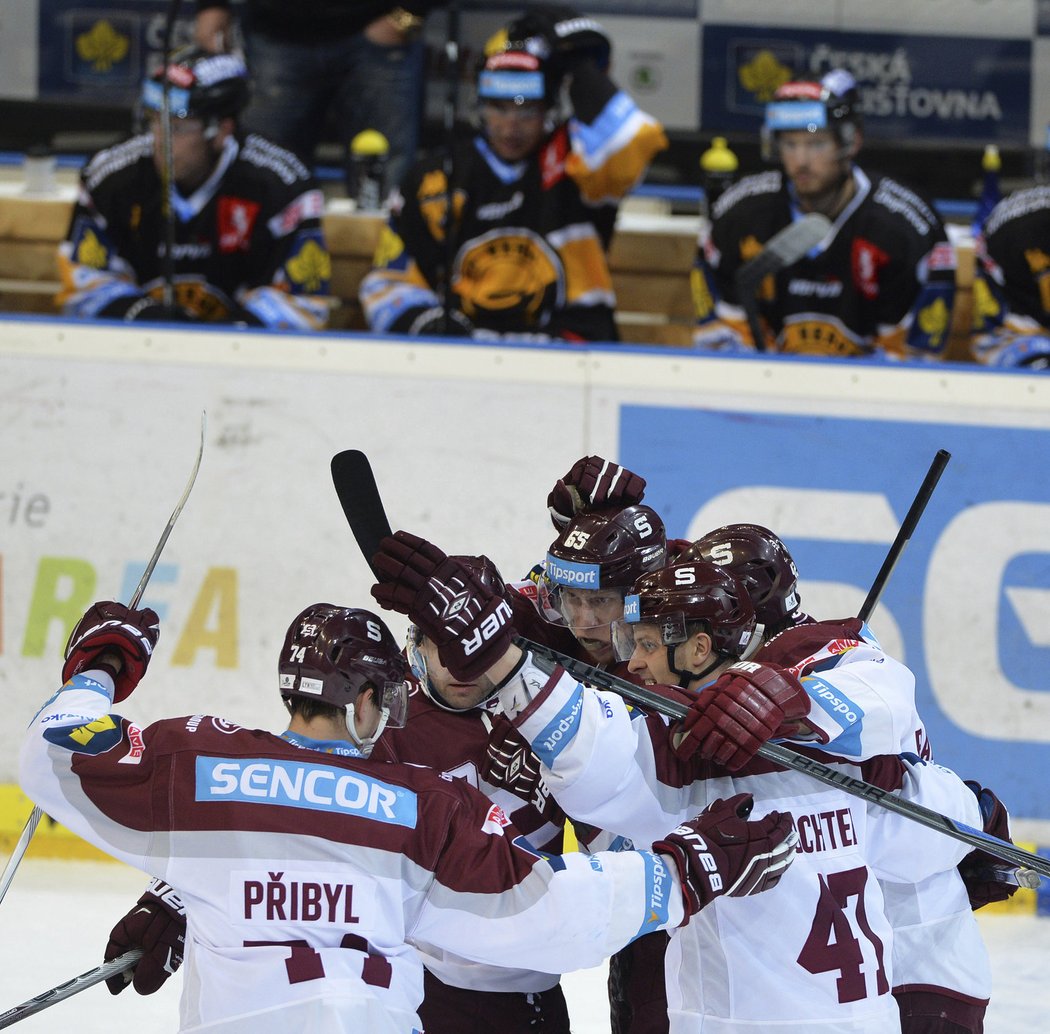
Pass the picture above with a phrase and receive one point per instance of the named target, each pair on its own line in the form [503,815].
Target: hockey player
[535,198]
[305,868]
[248,246]
[1011,291]
[606,541]
[448,731]
[882,282]
[942,977]
[827,968]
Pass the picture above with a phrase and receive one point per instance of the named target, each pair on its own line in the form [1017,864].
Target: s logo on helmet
[685,576]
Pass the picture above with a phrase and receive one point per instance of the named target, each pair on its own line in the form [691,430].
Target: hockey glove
[748,705]
[471,626]
[113,628]
[593,481]
[976,868]
[511,765]
[157,925]
[578,37]
[720,852]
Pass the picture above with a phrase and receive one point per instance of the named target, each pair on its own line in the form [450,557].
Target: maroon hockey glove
[157,925]
[471,626]
[977,867]
[111,627]
[593,481]
[720,852]
[511,765]
[748,705]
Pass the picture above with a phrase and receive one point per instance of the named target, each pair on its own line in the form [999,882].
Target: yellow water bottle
[718,167]
[366,170]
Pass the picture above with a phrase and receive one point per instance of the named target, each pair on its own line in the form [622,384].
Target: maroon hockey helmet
[683,593]
[333,653]
[607,547]
[762,562]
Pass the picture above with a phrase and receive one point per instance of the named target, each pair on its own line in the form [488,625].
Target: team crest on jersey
[867,261]
[236,218]
[509,278]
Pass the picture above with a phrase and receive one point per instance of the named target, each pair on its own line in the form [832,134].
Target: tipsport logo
[575,575]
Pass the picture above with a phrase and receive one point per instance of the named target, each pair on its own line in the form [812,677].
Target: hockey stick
[911,519]
[784,248]
[167,165]
[46,999]
[36,814]
[788,758]
[359,496]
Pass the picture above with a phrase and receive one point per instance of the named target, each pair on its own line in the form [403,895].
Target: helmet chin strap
[686,676]
[365,743]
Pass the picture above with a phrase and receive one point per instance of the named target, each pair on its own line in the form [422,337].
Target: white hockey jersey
[305,874]
[814,955]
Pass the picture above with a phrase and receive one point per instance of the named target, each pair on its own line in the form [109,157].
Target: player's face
[513,130]
[812,161]
[589,613]
[649,659]
[457,694]
[193,154]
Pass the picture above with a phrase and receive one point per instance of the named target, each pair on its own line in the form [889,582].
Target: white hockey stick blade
[71,987]
[36,814]
[782,249]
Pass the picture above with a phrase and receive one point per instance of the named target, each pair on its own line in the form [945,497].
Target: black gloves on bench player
[109,627]
[593,481]
[470,625]
[748,705]
[720,852]
[157,925]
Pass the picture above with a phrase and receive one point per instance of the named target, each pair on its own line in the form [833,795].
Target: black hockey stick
[784,248]
[36,814]
[355,484]
[54,995]
[359,496]
[788,758]
[167,165]
[911,519]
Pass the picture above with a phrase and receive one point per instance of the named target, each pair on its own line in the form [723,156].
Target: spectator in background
[247,242]
[881,282]
[536,197]
[362,58]
[1011,291]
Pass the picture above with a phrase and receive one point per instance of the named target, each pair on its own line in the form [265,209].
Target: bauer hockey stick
[359,496]
[911,519]
[36,814]
[784,248]
[46,999]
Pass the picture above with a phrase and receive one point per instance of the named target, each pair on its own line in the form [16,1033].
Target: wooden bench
[650,259]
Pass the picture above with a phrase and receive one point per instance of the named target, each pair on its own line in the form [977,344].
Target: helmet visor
[394,701]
